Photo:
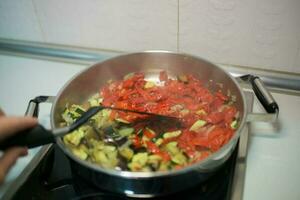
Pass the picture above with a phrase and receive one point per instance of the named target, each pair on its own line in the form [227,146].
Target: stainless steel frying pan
[148,184]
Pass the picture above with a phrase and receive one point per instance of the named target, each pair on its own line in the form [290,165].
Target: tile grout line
[39,22]
[178,25]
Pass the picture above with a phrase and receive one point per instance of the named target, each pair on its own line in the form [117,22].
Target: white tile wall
[18,20]
[297,62]
[257,33]
[111,24]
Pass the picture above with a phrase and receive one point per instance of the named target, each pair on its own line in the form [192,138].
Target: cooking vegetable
[197,125]
[128,141]
[172,134]
[125,131]
[234,124]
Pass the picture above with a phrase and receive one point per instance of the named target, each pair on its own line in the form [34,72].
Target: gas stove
[53,178]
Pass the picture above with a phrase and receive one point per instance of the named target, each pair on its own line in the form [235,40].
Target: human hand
[8,127]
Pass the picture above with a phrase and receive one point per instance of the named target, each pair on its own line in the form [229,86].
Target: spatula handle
[30,138]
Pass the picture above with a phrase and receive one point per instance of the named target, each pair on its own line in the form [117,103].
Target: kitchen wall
[257,33]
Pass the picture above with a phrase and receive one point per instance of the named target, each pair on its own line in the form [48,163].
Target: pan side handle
[33,106]
[264,97]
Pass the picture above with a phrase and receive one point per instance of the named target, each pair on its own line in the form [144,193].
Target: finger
[2,113]
[11,125]
[9,158]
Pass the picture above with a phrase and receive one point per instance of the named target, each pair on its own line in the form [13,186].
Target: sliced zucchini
[164,166]
[159,141]
[67,117]
[125,131]
[81,152]
[184,112]
[78,109]
[172,148]
[140,158]
[126,153]
[234,124]
[171,134]
[122,120]
[75,137]
[99,157]
[96,144]
[108,149]
[128,76]
[179,158]
[154,161]
[201,112]
[107,160]
[182,78]
[149,84]
[95,100]
[138,161]
[197,125]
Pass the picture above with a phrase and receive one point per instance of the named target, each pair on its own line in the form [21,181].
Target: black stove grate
[53,179]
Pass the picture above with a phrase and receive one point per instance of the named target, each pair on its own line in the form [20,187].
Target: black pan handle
[33,106]
[30,138]
[261,92]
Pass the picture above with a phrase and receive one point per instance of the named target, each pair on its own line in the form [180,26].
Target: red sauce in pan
[185,98]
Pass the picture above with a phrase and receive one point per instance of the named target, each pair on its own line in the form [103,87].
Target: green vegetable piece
[96,145]
[99,157]
[126,153]
[67,117]
[75,137]
[77,108]
[164,166]
[159,141]
[149,84]
[128,76]
[172,148]
[138,161]
[101,119]
[95,100]
[182,78]
[108,149]
[172,134]
[125,131]
[106,160]
[105,113]
[154,160]
[81,152]
[201,112]
[176,155]
[184,112]
[197,125]
[234,124]
[122,120]
[140,158]
[179,158]
[134,166]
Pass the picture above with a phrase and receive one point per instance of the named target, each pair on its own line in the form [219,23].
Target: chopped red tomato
[215,117]
[152,147]
[148,133]
[136,141]
[186,99]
